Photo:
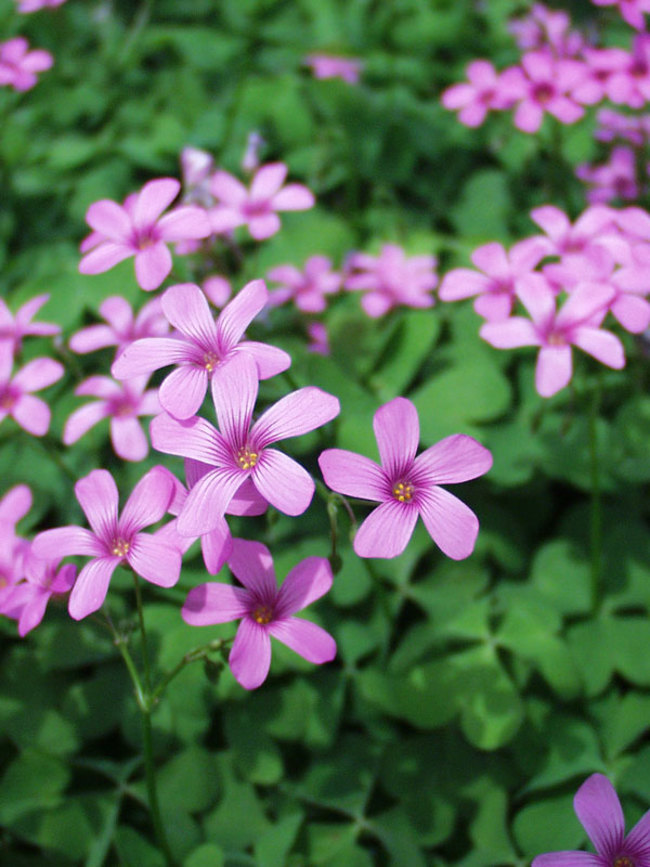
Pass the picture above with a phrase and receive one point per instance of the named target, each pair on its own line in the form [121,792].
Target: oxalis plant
[217,465]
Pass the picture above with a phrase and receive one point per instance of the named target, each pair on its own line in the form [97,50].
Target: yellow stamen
[403,491]
[210,360]
[263,614]
[624,861]
[246,458]
[120,548]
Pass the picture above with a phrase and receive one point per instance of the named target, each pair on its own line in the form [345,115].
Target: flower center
[210,361]
[624,861]
[120,548]
[4,582]
[543,92]
[7,399]
[556,339]
[246,458]
[264,614]
[403,491]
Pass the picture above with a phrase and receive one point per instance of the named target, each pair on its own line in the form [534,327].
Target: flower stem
[596,515]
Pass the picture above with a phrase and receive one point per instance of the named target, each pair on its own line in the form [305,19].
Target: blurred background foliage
[468,700]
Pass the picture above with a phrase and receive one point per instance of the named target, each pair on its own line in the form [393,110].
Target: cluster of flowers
[18,64]
[559,73]
[567,280]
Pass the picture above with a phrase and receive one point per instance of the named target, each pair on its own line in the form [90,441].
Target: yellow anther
[263,614]
[210,361]
[120,548]
[246,458]
[403,491]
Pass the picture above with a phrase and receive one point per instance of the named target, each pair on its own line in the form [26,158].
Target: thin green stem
[596,514]
[196,655]
[143,636]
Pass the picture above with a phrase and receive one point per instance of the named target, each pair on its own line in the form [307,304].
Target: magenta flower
[502,272]
[19,65]
[631,10]
[27,600]
[264,610]
[308,287]
[16,398]
[484,90]
[589,243]
[140,231]
[202,347]
[238,451]
[546,84]
[13,549]
[407,486]
[123,326]
[576,323]
[113,539]
[14,328]
[546,28]
[629,84]
[123,403]
[599,810]
[256,207]
[391,279]
[318,338]
[328,66]
[34,5]
[615,179]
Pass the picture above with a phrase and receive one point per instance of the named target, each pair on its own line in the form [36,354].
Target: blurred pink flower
[256,207]
[35,5]
[27,600]
[13,549]
[308,287]
[484,90]
[407,486]
[16,398]
[123,326]
[329,66]
[546,28]
[19,65]
[251,160]
[139,230]
[264,610]
[631,10]
[114,539]
[319,341]
[615,179]
[629,84]
[391,279]
[122,403]
[201,348]
[196,168]
[14,327]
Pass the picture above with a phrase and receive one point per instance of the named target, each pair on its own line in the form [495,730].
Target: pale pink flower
[546,28]
[615,179]
[329,66]
[319,341]
[202,347]
[141,231]
[114,539]
[14,327]
[27,600]
[123,326]
[614,125]
[603,65]
[19,65]
[255,207]
[34,5]
[122,403]
[630,85]
[589,242]
[631,10]
[308,287]
[632,285]
[16,397]
[251,160]
[407,486]
[576,323]
[196,167]
[502,271]
[13,549]
[239,451]
[484,90]
[391,279]
[264,610]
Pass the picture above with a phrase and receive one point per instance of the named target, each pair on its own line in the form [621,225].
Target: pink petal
[305,583]
[187,222]
[238,314]
[37,60]
[462,283]
[117,311]
[295,414]
[193,438]
[283,482]
[98,497]
[104,257]
[456,458]
[99,386]
[91,587]
[148,502]
[213,603]
[128,438]
[294,197]
[528,116]
[586,300]
[152,265]
[15,504]
[66,542]
[152,200]
[387,530]
[264,226]
[397,429]
[187,309]
[208,500]
[353,475]
[554,369]
[267,181]
[92,338]
[234,393]
[32,414]
[33,612]
[568,859]
[492,259]
[602,345]
[216,547]
[109,219]
[307,639]
[632,312]
[510,333]
[250,657]
[154,560]
[148,354]
[247,500]
[599,811]
[638,840]
[224,219]
[551,220]
[252,564]
[183,391]
[82,419]
[494,306]
[227,188]
[270,360]
[39,373]
[452,525]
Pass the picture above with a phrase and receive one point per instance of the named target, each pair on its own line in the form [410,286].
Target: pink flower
[140,231]
[256,207]
[202,347]
[27,600]
[16,398]
[13,549]
[34,5]
[14,328]
[589,242]
[123,327]
[319,341]
[391,279]
[122,403]
[251,160]
[407,486]
[630,84]
[632,284]
[196,168]
[264,610]
[615,179]
[485,90]
[631,10]
[328,66]
[18,65]
[546,28]
[576,323]
[114,539]
[308,288]
[614,125]
[238,451]
[546,84]
[496,287]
